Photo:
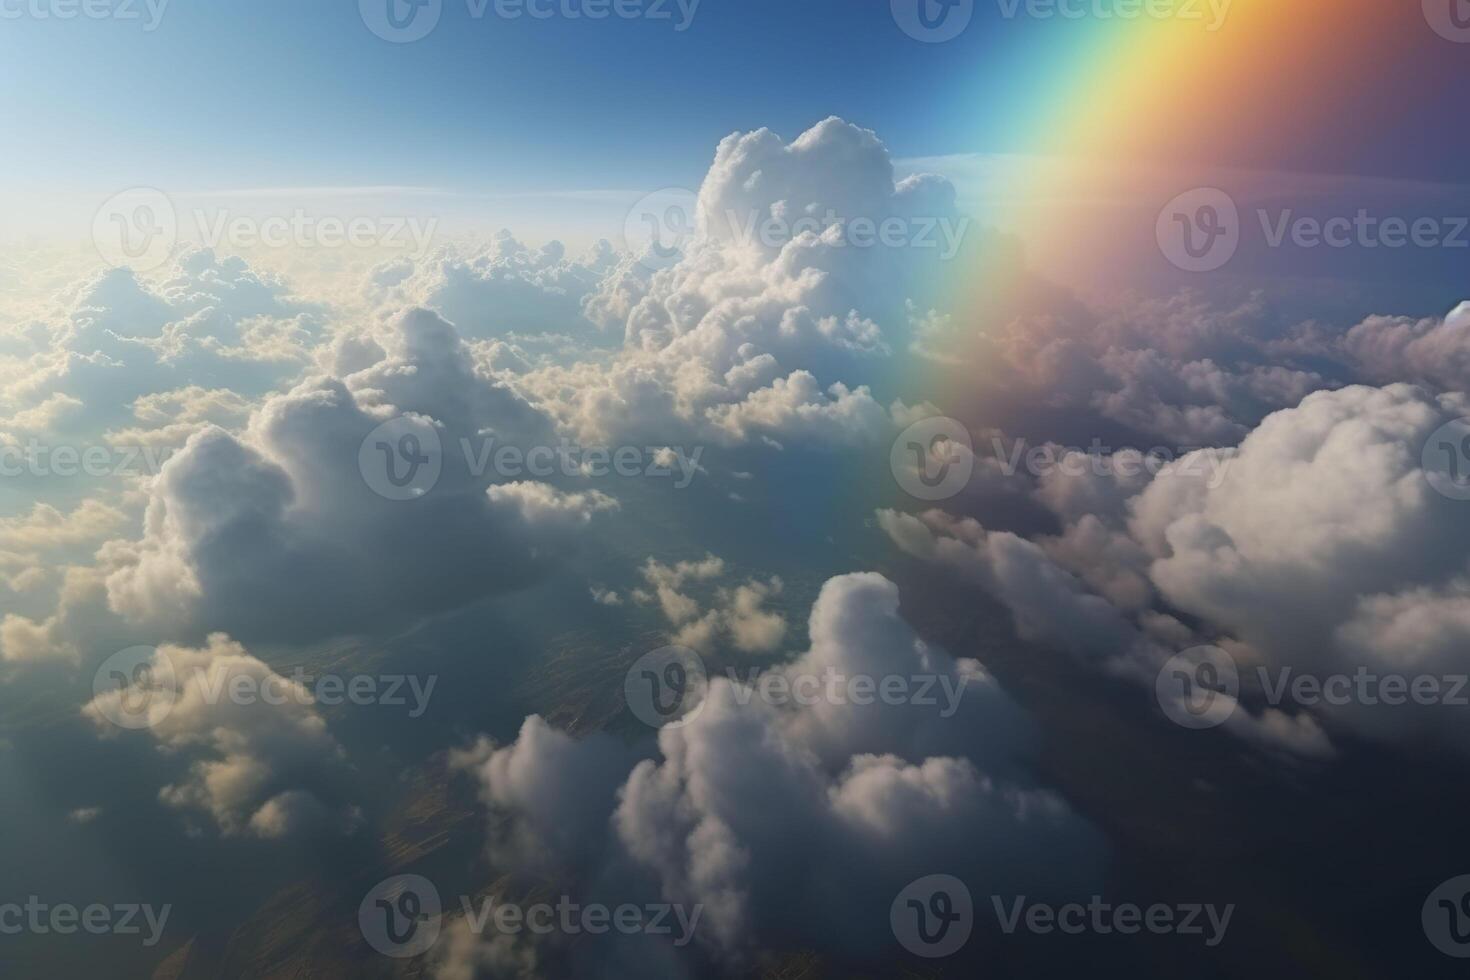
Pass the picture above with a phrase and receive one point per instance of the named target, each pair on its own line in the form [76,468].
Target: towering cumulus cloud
[785,310]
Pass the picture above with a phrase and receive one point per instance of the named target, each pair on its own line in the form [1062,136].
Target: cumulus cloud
[499,289]
[234,521]
[737,615]
[257,765]
[749,336]
[748,809]
[1320,546]
[121,339]
[45,527]
[1432,352]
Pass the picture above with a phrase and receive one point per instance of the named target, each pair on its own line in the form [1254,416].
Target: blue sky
[480,104]
[279,94]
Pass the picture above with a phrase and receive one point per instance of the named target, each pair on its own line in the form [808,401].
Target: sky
[211,99]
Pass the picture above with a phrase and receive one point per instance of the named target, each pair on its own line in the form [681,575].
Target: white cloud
[750,806]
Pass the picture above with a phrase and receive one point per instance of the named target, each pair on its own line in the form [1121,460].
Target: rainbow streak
[1116,117]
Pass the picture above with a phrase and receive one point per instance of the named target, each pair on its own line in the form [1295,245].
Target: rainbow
[1111,118]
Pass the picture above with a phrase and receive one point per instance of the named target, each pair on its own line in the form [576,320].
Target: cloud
[1432,352]
[736,615]
[257,765]
[45,527]
[234,521]
[122,339]
[1320,545]
[502,288]
[748,337]
[749,807]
